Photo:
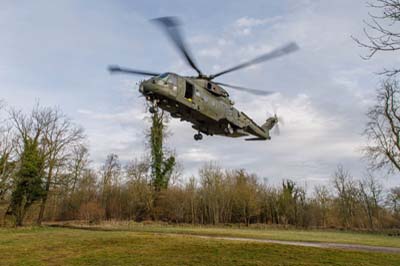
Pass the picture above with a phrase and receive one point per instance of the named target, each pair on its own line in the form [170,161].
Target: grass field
[57,246]
[372,239]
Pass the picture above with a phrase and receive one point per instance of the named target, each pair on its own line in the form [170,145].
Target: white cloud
[212,52]
[197,155]
[247,22]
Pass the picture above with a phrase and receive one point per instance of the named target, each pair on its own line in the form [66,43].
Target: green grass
[56,246]
[274,234]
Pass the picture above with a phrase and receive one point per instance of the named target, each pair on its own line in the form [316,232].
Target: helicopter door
[189,91]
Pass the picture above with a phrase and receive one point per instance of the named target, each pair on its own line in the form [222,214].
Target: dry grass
[55,246]
[259,232]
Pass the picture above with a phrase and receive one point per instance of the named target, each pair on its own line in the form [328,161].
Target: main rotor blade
[170,26]
[253,91]
[286,49]
[117,69]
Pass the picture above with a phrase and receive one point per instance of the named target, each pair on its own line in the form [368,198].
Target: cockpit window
[172,79]
[168,78]
[163,75]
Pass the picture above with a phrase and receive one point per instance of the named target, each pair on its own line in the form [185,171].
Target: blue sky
[58,51]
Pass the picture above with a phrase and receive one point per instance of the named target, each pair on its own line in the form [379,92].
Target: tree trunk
[44,198]
[42,208]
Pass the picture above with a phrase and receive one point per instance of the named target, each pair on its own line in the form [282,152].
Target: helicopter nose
[147,86]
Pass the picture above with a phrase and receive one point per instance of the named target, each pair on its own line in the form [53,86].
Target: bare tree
[7,162]
[393,200]
[137,170]
[382,31]
[371,196]
[110,173]
[347,195]
[244,202]
[77,164]
[323,199]
[211,193]
[383,128]
[60,135]
[137,192]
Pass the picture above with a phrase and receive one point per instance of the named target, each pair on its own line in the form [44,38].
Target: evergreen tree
[161,165]
[28,181]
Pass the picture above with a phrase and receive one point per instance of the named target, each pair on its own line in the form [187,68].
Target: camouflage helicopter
[199,99]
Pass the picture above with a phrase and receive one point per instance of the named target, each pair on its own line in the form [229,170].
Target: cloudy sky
[57,52]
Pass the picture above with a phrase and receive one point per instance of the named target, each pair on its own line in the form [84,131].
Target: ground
[61,246]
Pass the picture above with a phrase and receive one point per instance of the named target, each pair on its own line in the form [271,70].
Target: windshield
[168,78]
[163,75]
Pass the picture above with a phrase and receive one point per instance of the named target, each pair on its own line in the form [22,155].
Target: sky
[57,53]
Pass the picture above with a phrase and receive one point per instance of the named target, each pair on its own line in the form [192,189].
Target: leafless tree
[383,128]
[382,30]
[347,195]
[110,174]
[371,197]
[7,162]
[138,170]
[323,199]
[137,193]
[60,135]
[393,200]
[78,163]
[244,199]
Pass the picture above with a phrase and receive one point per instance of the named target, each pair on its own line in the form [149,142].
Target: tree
[382,32]
[292,202]
[393,200]
[138,194]
[111,171]
[191,190]
[347,196]
[29,182]
[77,164]
[7,162]
[75,169]
[245,192]
[323,199]
[371,196]
[212,196]
[55,134]
[383,128]
[162,166]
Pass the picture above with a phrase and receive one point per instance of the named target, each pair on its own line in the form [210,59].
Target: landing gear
[198,136]
[153,108]
[229,130]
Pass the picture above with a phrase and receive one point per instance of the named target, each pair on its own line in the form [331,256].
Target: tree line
[46,174]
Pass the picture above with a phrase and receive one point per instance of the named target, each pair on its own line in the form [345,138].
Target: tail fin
[269,124]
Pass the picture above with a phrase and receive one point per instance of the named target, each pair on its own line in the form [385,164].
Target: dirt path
[306,244]
[355,247]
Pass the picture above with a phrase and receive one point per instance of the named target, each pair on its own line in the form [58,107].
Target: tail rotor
[278,120]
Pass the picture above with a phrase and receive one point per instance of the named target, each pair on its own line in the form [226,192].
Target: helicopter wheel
[198,136]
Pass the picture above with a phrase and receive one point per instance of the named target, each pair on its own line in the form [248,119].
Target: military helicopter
[199,99]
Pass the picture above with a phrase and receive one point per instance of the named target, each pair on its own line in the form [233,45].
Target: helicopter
[199,99]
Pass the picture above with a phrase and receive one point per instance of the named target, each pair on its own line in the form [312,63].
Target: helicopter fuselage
[205,105]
